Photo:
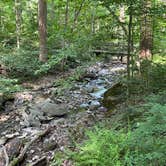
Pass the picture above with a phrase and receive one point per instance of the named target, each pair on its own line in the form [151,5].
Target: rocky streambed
[65,117]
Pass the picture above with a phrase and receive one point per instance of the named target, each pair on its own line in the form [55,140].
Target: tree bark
[66,14]
[146,31]
[129,40]
[18,21]
[42,20]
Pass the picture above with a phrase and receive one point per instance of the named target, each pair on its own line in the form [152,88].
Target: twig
[17,160]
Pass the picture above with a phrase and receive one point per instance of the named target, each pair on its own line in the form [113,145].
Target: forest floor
[82,101]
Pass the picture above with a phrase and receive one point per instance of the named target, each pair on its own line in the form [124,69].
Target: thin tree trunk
[42,11]
[93,20]
[63,62]
[146,31]
[18,21]
[129,40]
[66,14]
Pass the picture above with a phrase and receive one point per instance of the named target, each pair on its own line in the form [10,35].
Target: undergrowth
[9,85]
[143,144]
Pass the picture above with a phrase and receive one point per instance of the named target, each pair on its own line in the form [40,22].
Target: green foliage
[75,52]
[148,140]
[143,145]
[157,77]
[57,59]
[103,147]
[151,79]
[68,82]
[9,85]
[21,63]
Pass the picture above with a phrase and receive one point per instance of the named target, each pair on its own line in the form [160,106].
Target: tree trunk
[18,21]
[93,20]
[129,40]
[146,31]
[66,14]
[42,12]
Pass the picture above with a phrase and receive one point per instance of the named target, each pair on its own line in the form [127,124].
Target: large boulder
[46,110]
[114,95]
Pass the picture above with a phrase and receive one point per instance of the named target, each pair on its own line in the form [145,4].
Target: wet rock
[102,109]
[115,95]
[90,75]
[98,94]
[94,104]
[84,105]
[104,72]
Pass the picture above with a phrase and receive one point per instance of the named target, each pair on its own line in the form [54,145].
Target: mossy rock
[114,95]
[5,97]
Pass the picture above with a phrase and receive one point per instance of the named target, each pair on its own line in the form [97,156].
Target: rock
[54,109]
[40,162]
[98,94]
[9,106]
[4,97]
[90,75]
[34,115]
[84,105]
[13,147]
[104,72]
[50,145]
[3,140]
[2,157]
[115,95]
[9,136]
[94,104]
[30,120]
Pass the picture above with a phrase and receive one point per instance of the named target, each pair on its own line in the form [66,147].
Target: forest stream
[75,110]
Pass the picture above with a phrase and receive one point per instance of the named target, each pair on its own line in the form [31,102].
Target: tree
[146,31]
[42,20]
[18,21]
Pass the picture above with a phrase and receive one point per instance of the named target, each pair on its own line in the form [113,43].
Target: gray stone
[34,115]
[84,105]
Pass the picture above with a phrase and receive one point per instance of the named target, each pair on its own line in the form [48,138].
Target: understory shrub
[142,145]
[9,85]
[20,63]
[103,147]
[152,79]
